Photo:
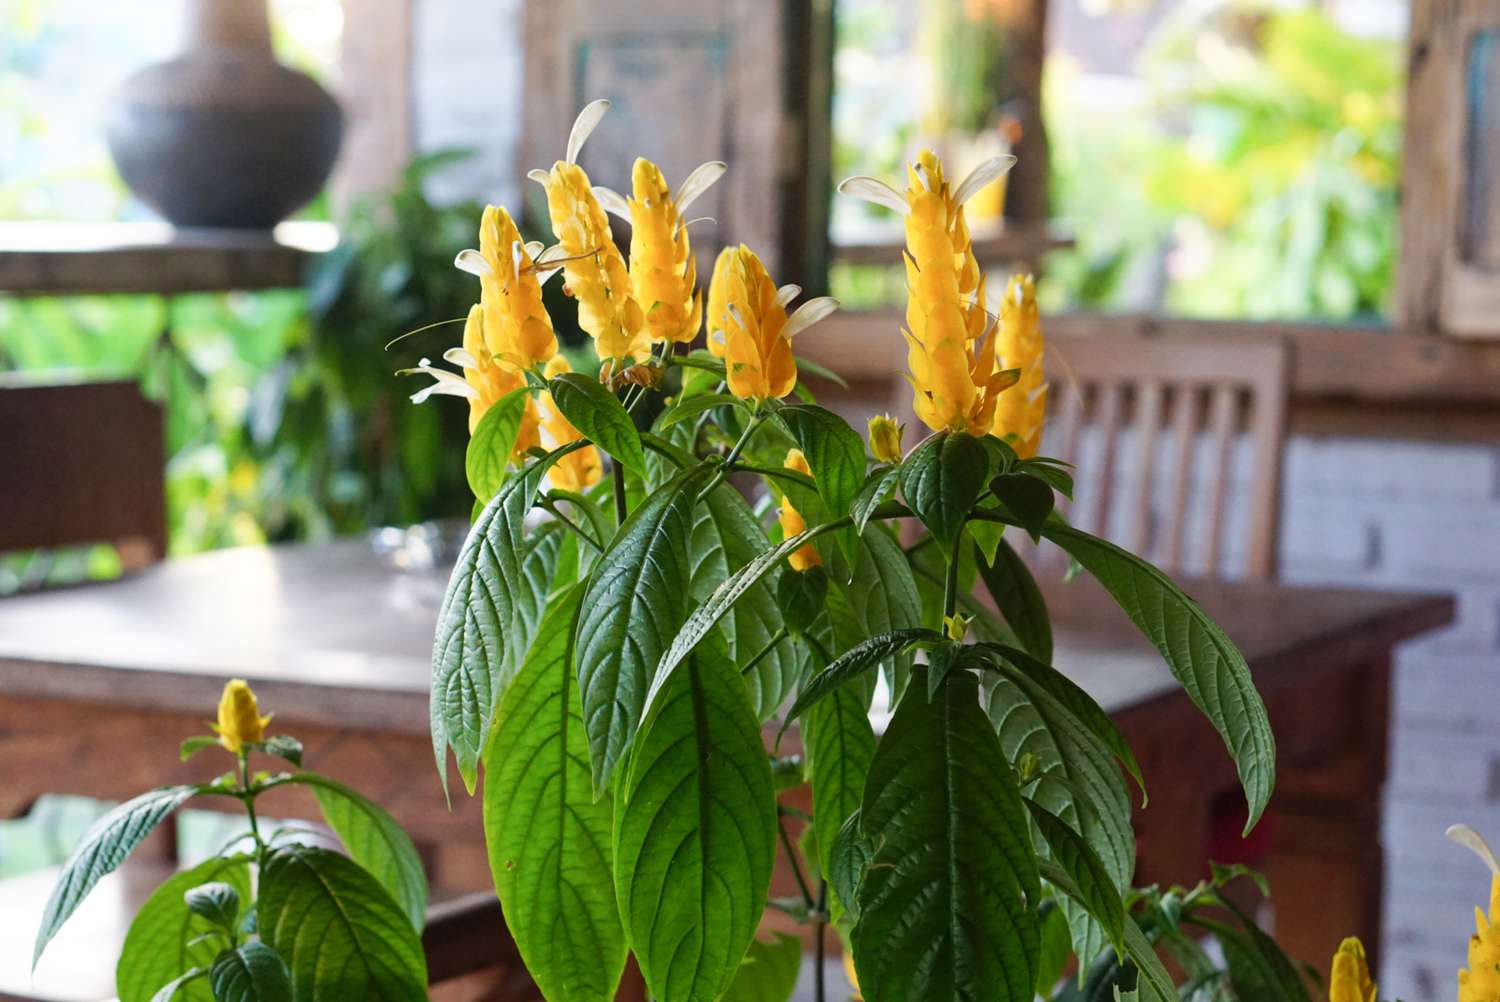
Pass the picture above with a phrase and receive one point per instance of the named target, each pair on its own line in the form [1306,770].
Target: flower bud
[240,722]
[885,438]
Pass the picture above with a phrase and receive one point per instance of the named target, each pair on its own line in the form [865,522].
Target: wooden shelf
[1008,242]
[42,259]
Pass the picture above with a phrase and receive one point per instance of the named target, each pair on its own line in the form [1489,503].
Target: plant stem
[791,855]
[734,454]
[950,586]
[760,656]
[619,475]
[551,506]
[248,799]
[819,928]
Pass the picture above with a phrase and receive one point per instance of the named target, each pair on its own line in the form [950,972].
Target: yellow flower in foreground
[1349,980]
[240,722]
[483,382]
[952,364]
[1021,411]
[1480,982]
[662,270]
[581,468]
[792,522]
[518,332]
[749,328]
[594,267]
[885,438]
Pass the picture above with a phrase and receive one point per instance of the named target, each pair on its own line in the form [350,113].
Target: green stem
[551,506]
[619,475]
[950,586]
[819,926]
[248,799]
[791,855]
[761,655]
[734,454]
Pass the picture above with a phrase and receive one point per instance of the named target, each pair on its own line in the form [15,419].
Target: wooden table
[98,685]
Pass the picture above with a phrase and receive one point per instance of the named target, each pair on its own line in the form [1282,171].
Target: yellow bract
[746,325]
[1349,980]
[661,259]
[491,380]
[595,270]
[792,522]
[1480,982]
[581,468]
[885,438]
[1021,411]
[518,331]
[952,362]
[240,722]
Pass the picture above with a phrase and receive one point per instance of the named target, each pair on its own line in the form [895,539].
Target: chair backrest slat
[1185,438]
[1148,400]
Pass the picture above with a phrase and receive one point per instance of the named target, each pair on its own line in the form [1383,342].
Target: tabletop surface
[332,633]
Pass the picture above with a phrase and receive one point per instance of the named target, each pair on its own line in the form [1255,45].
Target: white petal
[612,201]
[460,356]
[875,191]
[533,248]
[540,176]
[517,255]
[445,389]
[699,181]
[1469,838]
[982,175]
[472,262]
[542,276]
[584,126]
[808,314]
[922,175]
[786,294]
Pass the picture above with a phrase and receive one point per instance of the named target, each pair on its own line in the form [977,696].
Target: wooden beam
[376,90]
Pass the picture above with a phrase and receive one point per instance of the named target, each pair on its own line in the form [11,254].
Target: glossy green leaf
[283,746]
[853,662]
[1057,949]
[1053,472]
[636,597]
[600,417]
[487,458]
[559,902]
[1019,600]
[488,615]
[947,904]
[1028,498]
[848,857]
[375,840]
[252,972]
[835,452]
[692,406]
[1152,979]
[1211,669]
[769,971]
[839,743]
[875,491]
[341,934]
[726,537]
[216,901]
[695,833]
[881,595]
[941,479]
[103,848]
[1097,888]
[176,989]
[160,944]
[193,745]
[1258,966]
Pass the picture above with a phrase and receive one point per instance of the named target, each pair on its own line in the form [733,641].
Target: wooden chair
[82,463]
[1142,417]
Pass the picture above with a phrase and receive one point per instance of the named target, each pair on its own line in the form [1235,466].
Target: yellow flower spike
[240,722]
[885,438]
[1021,413]
[1349,980]
[951,359]
[518,331]
[792,522]
[581,468]
[748,325]
[662,270]
[1480,982]
[594,267]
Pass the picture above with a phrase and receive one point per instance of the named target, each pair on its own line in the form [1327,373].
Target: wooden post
[376,90]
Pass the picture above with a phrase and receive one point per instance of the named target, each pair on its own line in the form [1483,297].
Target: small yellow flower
[662,269]
[1021,411]
[1349,980]
[953,374]
[581,468]
[595,269]
[240,722]
[1480,982]
[957,626]
[885,438]
[749,328]
[792,522]
[517,329]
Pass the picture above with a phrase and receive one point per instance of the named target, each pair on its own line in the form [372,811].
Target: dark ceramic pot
[223,135]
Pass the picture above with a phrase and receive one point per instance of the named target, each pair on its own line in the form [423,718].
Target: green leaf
[1152,979]
[194,745]
[802,597]
[695,832]
[941,479]
[726,537]
[636,597]
[947,905]
[881,596]
[1028,498]
[283,746]
[375,840]
[1057,948]
[812,368]
[720,602]
[1018,598]
[848,857]
[857,659]
[161,943]
[484,627]
[101,850]
[1258,967]
[252,972]
[1097,888]
[173,989]
[691,407]
[487,457]
[769,971]
[599,416]
[1211,669]
[839,743]
[341,934]
[558,902]
[1049,471]
[835,452]
[876,490]
[216,901]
